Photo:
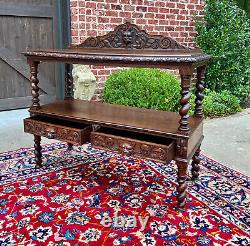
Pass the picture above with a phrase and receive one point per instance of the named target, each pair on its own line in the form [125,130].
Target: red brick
[174,11]
[160,4]
[150,2]
[170,5]
[81,3]
[91,18]
[87,12]
[125,14]
[153,22]
[112,1]
[141,21]
[160,16]
[190,6]
[180,6]
[74,32]
[164,10]
[73,3]
[153,9]
[163,22]
[141,8]
[91,5]
[74,18]
[129,7]
[103,20]
[116,20]
[137,15]
[103,72]
[124,1]
[111,13]
[91,33]
[116,6]
[181,17]
[149,15]
[137,2]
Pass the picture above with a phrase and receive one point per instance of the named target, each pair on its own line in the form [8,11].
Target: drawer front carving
[133,147]
[53,131]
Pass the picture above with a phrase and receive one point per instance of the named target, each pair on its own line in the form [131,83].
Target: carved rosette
[98,140]
[131,36]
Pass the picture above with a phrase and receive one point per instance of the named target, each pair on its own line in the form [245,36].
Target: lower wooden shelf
[117,116]
[144,133]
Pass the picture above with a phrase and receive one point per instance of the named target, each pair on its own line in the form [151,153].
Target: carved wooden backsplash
[132,37]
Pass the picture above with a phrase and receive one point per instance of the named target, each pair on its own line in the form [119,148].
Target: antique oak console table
[156,135]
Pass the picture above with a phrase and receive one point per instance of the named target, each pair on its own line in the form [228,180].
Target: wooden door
[26,24]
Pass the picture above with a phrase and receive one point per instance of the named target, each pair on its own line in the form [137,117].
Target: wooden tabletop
[97,55]
[146,120]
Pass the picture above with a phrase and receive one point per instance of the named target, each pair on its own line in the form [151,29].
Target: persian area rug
[91,197]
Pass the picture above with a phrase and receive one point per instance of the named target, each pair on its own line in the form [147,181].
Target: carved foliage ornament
[131,36]
[129,147]
[52,132]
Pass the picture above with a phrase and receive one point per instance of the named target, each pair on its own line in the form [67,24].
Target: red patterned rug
[91,197]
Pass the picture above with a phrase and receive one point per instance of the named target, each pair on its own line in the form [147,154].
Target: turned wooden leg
[185,96]
[70,146]
[68,81]
[38,149]
[199,91]
[182,184]
[195,165]
[34,85]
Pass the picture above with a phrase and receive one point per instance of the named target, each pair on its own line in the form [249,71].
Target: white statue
[84,82]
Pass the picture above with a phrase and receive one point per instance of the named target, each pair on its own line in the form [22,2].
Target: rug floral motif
[91,197]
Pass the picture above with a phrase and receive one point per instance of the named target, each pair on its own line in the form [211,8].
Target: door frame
[62,25]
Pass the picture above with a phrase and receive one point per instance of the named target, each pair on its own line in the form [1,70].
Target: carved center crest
[131,36]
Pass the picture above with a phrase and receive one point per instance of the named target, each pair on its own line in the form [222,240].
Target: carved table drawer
[140,145]
[71,132]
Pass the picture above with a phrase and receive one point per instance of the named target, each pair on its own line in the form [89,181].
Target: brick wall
[173,18]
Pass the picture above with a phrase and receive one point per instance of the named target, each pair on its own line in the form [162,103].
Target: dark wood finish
[146,133]
[182,184]
[34,85]
[70,146]
[122,57]
[68,81]
[130,36]
[136,119]
[61,130]
[137,144]
[195,164]
[199,91]
[38,150]
[185,96]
